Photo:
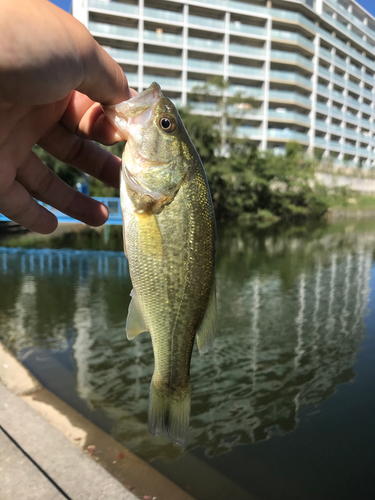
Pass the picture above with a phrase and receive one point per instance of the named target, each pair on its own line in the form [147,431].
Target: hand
[53,75]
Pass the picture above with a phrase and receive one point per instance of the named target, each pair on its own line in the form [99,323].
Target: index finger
[103,79]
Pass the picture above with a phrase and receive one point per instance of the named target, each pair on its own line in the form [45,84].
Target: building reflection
[281,346]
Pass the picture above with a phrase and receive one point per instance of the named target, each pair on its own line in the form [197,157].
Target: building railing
[112,29]
[114,6]
[166,15]
[292,57]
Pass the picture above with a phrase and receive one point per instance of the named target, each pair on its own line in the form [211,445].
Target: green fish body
[170,238]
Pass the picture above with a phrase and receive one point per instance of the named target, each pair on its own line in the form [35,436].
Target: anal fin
[207,330]
[134,322]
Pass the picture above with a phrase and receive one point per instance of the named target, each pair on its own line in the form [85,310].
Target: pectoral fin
[134,321]
[207,330]
[149,236]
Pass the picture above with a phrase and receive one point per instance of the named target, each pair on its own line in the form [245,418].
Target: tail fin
[167,412]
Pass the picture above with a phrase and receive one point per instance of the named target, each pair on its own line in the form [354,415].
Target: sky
[65,4]
[369,5]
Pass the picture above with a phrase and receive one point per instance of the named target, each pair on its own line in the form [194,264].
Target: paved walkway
[37,462]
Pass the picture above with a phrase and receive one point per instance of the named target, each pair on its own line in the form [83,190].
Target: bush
[266,186]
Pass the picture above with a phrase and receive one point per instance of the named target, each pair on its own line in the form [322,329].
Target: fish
[170,242]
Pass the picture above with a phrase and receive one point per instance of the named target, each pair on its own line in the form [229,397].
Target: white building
[310,63]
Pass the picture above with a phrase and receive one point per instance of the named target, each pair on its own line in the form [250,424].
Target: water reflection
[291,314]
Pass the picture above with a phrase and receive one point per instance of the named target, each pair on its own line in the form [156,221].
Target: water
[284,405]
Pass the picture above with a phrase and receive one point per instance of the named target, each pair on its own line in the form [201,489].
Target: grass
[350,201]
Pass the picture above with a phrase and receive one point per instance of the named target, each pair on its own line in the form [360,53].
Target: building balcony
[132,79]
[335,129]
[322,108]
[205,65]
[293,37]
[250,132]
[334,145]
[364,138]
[364,123]
[339,80]
[164,38]
[247,51]
[323,90]
[325,53]
[291,57]
[210,107]
[244,7]
[249,71]
[113,30]
[321,125]
[368,78]
[112,6]
[163,81]
[351,134]
[337,113]
[325,73]
[286,95]
[162,59]
[207,22]
[367,93]
[353,103]
[293,16]
[366,109]
[346,31]
[349,148]
[247,91]
[354,70]
[320,142]
[288,116]
[337,96]
[290,77]
[363,152]
[165,15]
[354,87]
[248,29]
[205,44]
[126,55]
[350,117]
[287,135]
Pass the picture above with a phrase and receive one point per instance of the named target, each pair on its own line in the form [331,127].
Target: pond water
[283,407]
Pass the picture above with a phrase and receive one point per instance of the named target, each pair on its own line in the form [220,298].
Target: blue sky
[64,4]
[367,4]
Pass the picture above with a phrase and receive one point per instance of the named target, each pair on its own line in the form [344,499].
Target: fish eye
[167,124]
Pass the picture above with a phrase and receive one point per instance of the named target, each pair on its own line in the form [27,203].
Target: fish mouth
[136,111]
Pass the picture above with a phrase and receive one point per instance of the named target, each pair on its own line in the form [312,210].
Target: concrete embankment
[49,451]
[361,184]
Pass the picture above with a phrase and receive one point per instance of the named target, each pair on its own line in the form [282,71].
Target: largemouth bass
[169,240]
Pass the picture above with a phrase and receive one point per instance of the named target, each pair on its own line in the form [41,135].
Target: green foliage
[205,136]
[72,176]
[266,187]
[68,174]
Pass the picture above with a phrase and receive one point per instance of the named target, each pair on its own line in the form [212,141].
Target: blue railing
[113,205]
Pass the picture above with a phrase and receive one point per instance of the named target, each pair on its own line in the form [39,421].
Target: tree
[230,109]
[203,133]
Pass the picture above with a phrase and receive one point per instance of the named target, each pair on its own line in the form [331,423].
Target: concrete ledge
[85,462]
[76,475]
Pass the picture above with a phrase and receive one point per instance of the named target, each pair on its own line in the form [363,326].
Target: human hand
[53,75]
